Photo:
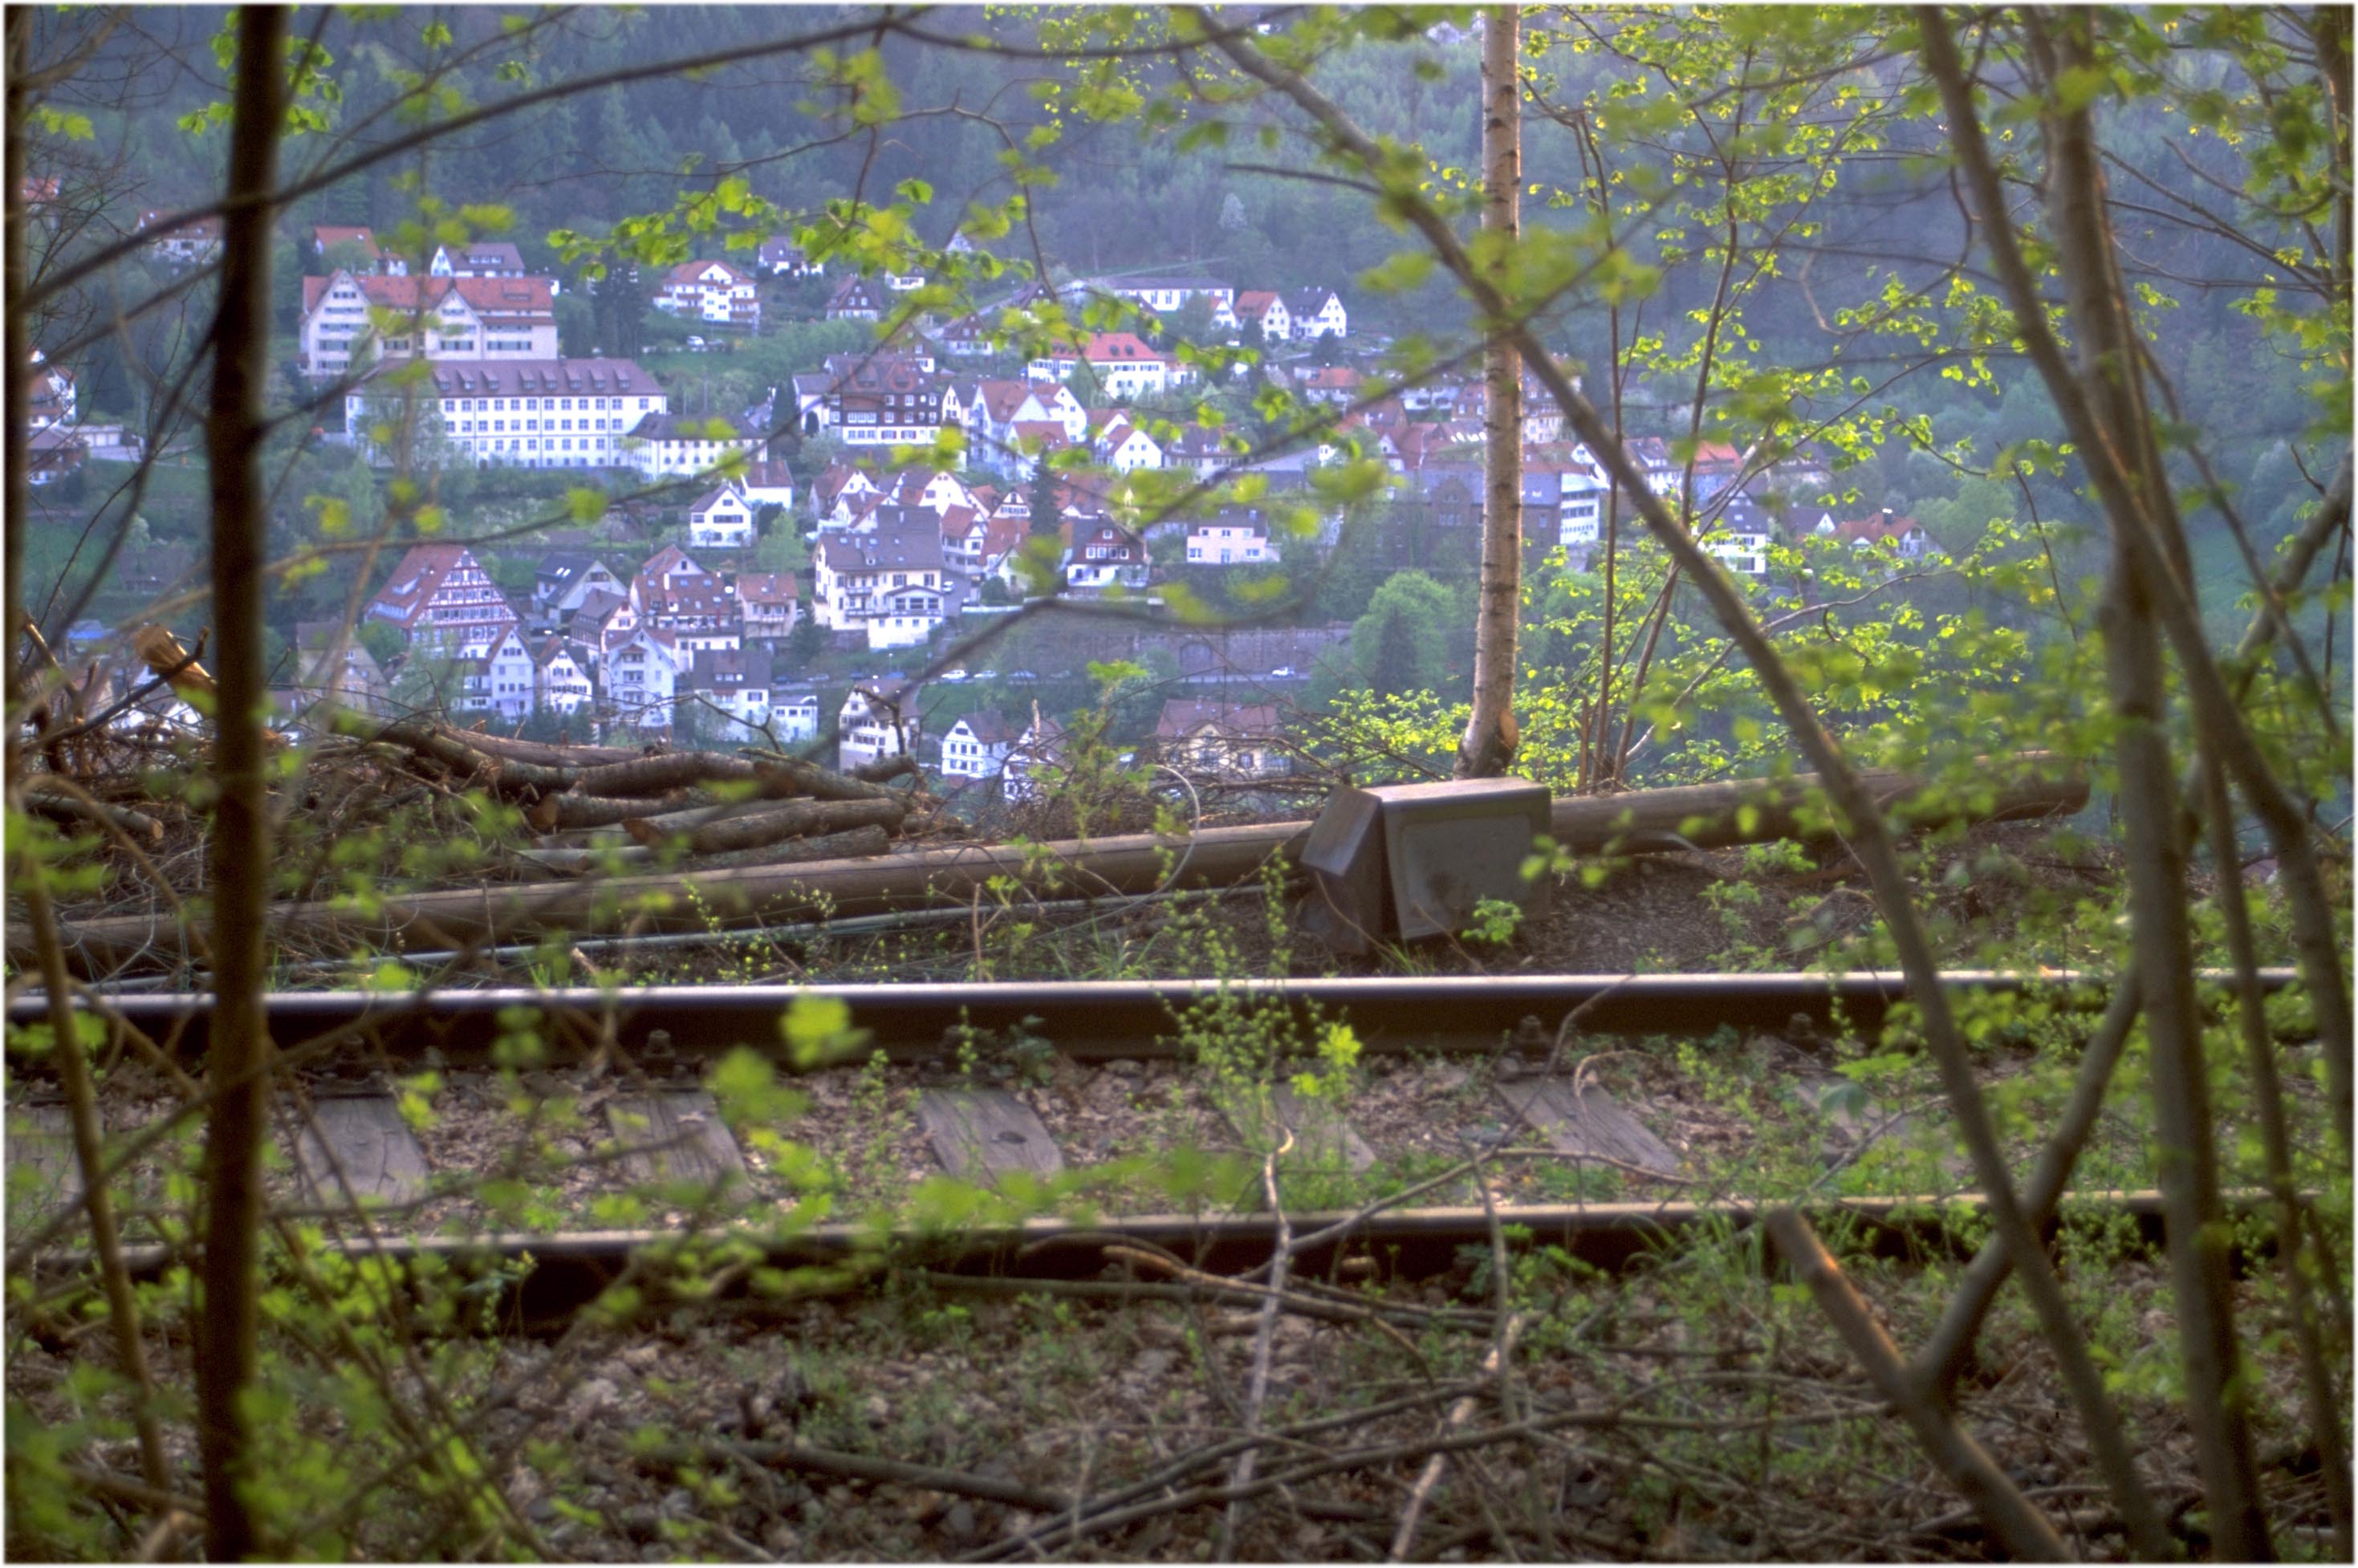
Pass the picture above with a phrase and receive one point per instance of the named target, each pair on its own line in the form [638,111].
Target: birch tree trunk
[1489,745]
[238,1071]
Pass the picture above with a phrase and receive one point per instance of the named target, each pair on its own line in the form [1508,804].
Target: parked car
[1021,675]
[1282,672]
[954,676]
[694,342]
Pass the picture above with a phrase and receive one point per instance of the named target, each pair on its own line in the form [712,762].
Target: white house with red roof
[666,564]
[766,484]
[440,596]
[1265,307]
[435,317]
[1120,362]
[710,291]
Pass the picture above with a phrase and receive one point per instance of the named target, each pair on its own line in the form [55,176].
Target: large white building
[710,291]
[538,414]
[438,318]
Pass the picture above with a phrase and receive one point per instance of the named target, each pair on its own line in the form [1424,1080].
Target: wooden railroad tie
[1582,1118]
[986,1134]
[674,1136]
[363,1138]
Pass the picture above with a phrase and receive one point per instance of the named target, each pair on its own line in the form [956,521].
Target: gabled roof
[669,561]
[693,274]
[1120,347]
[767,588]
[1001,397]
[1255,301]
[715,496]
[988,725]
[856,293]
[1307,301]
[563,567]
[327,235]
[510,301]
[419,576]
[485,256]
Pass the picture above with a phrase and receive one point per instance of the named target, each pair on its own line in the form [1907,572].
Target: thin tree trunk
[1942,1354]
[1490,736]
[2142,517]
[1966,1465]
[241,830]
[89,1154]
[18,377]
[2186,1155]
[2267,1095]
[1871,834]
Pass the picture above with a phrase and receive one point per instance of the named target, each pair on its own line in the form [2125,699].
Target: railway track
[1028,1089]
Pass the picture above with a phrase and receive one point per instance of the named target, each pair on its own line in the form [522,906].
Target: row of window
[532,404]
[499,426]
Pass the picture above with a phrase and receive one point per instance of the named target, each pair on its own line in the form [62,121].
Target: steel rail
[1104,1020]
[566,1270]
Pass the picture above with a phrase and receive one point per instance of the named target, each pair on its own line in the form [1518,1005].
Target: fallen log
[547,754]
[1700,817]
[826,784]
[64,805]
[453,749]
[664,770]
[714,829]
[861,843]
[566,812]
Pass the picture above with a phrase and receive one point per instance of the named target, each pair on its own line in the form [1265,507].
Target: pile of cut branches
[595,808]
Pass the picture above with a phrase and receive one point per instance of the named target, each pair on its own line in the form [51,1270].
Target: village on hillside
[817,550]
